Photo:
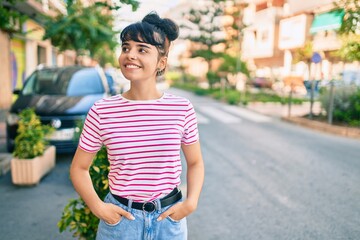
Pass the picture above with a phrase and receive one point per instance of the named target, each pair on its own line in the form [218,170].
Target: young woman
[143,131]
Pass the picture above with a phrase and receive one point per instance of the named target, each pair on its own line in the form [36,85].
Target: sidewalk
[296,117]
[282,110]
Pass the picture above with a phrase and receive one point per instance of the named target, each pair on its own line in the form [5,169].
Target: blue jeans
[144,227]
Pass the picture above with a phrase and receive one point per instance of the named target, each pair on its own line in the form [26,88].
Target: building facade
[277,30]
[22,53]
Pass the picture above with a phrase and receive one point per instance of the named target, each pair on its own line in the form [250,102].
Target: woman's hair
[153,30]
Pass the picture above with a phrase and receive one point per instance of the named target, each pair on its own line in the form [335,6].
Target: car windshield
[70,82]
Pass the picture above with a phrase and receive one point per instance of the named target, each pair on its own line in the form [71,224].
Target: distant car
[61,97]
[261,82]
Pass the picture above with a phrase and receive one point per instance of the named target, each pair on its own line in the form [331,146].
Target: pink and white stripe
[143,140]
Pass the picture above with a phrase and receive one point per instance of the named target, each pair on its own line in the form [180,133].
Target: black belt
[169,199]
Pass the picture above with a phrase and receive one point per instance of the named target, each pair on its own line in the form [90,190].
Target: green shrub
[76,216]
[232,97]
[173,76]
[212,78]
[217,95]
[270,97]
[346,104]
[30,140]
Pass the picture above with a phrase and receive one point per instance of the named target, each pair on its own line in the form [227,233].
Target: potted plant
[32,157]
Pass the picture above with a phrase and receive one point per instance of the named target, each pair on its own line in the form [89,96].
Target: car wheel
[9,147]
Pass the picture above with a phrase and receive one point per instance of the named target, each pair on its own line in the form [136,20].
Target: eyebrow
[138,45]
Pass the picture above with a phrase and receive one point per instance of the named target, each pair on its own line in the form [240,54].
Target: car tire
[9,147]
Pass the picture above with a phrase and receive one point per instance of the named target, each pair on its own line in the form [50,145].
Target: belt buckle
[151,202]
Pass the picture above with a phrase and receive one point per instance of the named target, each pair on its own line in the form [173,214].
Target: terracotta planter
[30,171]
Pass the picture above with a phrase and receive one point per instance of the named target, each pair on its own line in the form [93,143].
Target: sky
[125,16]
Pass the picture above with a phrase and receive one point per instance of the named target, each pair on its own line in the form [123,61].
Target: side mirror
[17,91]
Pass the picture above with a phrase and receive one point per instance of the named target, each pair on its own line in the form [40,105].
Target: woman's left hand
[178,211]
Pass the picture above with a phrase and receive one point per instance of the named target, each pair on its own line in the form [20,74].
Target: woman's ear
[162,63]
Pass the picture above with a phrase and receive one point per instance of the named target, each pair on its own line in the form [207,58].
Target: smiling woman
[143,130]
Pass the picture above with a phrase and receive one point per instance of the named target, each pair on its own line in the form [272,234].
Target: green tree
[10,18]
[233,64]
[207,31]
[231,59]
[304,53]
[350,30]
[87,30]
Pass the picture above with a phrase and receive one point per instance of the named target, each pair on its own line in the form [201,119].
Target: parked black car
[61,96]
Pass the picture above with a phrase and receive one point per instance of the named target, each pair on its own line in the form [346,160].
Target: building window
[41,55]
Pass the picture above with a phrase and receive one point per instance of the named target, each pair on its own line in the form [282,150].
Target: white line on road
[201,118]
[219,115]
[250,115]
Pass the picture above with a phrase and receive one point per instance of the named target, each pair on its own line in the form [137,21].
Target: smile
[131,66]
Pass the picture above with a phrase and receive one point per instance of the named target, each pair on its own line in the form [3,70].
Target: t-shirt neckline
[145,101]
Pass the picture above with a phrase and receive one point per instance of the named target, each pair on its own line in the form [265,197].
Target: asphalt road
[265,179]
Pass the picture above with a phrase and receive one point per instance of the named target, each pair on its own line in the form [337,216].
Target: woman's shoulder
[110,100]
[169,97]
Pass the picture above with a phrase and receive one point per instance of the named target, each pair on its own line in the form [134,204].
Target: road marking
[284,200]
[219,115]
[250,115]
[201,119]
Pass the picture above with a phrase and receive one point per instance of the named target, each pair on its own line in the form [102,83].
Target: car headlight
[12,119]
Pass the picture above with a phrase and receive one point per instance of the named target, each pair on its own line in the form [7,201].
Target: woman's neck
[142,93]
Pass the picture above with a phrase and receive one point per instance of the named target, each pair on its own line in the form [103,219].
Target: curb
[351,132]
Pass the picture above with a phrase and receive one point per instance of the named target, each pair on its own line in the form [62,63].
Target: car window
[41,82]
[85,82]
[70,81]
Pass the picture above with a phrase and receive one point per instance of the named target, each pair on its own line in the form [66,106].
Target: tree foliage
[211,32]
[11,19]
[350,30]
[233,65]
[350,49]
[351,21]
[87,30]
[304,54]
[207,33]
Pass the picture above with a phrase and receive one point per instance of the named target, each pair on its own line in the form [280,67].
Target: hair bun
[169,27]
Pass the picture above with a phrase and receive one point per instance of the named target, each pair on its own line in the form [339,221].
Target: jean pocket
[113,224]
[173,220]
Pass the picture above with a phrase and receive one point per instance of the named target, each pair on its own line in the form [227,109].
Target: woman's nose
[132,55]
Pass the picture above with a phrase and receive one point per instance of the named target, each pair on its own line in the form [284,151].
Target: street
[264,179]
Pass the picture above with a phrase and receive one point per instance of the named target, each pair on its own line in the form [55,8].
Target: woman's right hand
[112,214]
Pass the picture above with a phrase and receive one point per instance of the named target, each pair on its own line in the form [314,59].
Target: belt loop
[158,204]
[130,204]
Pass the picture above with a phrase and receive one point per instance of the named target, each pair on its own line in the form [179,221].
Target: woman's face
[140,61]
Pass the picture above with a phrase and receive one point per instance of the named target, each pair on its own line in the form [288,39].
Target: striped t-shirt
[143,141]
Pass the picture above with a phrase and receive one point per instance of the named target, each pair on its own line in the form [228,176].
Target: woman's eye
[125,49]
[142,50]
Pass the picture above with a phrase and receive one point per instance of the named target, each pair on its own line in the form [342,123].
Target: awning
[327,21]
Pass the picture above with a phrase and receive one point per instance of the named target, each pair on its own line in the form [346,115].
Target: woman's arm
[195,179]
[80,177]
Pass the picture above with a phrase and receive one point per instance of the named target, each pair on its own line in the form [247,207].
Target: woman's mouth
[132,66]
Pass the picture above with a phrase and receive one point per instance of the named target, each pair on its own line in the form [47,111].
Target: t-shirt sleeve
[90,138]
[191,134]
